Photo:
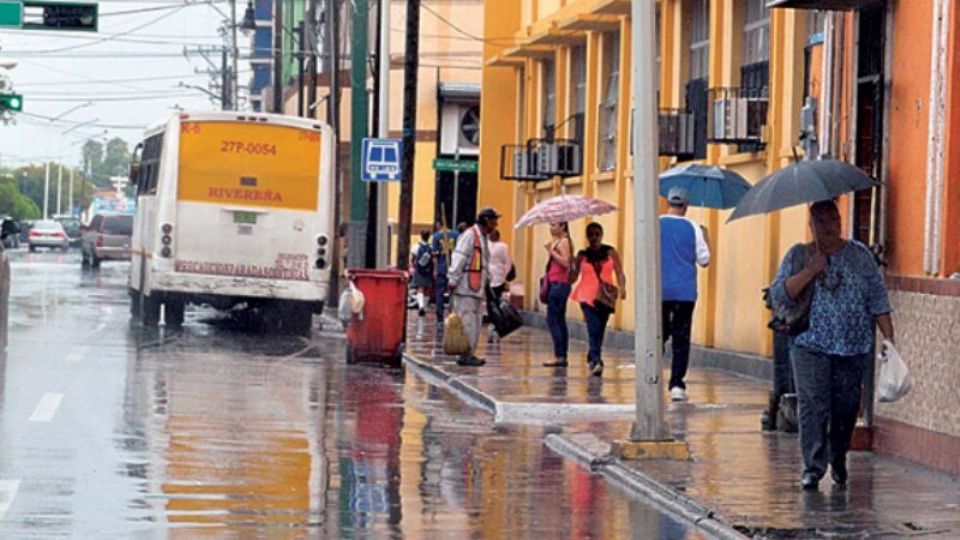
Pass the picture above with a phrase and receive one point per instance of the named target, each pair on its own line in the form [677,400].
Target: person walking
[423,271]
[500,264]
[847,301]
[468,277]
[683,245]
[596,266]
[559,259]
[443,241]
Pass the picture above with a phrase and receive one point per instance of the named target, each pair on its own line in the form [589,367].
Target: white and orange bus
[233,208]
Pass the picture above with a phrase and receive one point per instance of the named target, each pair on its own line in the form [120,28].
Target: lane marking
[8,492]
[47,408]
[77,353]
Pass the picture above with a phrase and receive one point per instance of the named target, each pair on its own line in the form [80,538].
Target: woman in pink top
[559,250]
[598,262]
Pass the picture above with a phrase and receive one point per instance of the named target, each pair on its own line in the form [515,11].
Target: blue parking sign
[381,160]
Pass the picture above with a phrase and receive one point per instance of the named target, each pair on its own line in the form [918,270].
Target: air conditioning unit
[460,129]
[686,135]
[569,160]
[724,119]
[548,157]
[521,164]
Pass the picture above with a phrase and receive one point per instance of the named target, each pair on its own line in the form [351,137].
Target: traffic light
[11,102]
[43,15]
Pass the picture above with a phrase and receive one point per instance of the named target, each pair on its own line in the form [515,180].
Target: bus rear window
[244,164]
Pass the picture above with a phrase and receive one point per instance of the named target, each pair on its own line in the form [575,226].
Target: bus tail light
[322,240]
[166,239]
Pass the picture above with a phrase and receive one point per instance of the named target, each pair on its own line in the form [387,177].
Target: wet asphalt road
[109,430]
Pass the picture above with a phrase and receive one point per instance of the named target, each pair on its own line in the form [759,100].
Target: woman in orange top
[597,263]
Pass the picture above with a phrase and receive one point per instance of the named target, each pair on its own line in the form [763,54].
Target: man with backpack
[423,271]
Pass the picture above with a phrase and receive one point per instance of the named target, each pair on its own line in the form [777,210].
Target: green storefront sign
[455,165]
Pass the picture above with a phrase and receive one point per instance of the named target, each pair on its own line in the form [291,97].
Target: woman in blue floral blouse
[848,301]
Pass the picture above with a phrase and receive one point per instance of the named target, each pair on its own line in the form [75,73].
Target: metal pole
[59,188]
[234,84]
[224,81]
[456,188]
[311,46]
[411,60]
[278,56]
[300,68]
[359,126]
[383,129]
[333,118]
[70,192]
[648,425]
[46,191]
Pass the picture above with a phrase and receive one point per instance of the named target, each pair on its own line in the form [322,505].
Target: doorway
[466,198]
[865,221]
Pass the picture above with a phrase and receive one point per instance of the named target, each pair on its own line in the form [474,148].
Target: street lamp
[7,63]
[249,23]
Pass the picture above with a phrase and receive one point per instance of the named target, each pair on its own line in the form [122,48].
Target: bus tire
[134,298]
[150,306]
[174,313]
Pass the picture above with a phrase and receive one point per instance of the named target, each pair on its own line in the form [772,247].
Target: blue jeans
[440,290]
[557,318]
[596,319]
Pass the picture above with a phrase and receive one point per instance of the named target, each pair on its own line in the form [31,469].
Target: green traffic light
[11,102]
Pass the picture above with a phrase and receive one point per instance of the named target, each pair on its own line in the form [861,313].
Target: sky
[113,83]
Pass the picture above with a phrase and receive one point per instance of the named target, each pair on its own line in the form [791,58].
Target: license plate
[245,218]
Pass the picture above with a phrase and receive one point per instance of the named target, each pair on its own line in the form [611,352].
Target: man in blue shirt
[683,245]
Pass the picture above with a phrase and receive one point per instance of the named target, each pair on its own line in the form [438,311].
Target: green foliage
[101,163]
[16,204]
[29,181]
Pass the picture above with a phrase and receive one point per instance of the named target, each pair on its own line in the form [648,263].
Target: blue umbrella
[710,187]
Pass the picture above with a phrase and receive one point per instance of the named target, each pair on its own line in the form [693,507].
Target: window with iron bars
[608,105]
[548,83]
[578,89]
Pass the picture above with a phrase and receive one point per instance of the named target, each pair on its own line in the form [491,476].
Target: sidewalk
[740,481]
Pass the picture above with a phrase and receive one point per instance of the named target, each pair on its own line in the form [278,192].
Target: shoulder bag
[607,294]
[794,320]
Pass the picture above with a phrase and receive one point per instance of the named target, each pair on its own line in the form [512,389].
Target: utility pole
[233,83]
[649,436]
[377,223]
[311,45]
[224,82]
[300,68]
[359,126]
[410,64]
[333,118]
[278,56]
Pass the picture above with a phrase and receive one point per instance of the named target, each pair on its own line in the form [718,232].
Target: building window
[696,88]
[755,67]
[549,85]
[608,105]
[578,90]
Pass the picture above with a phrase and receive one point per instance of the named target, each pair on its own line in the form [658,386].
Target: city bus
[234,210]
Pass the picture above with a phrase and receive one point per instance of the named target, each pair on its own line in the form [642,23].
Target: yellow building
[553,63]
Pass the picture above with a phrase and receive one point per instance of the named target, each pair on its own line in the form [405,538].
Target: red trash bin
[380,335]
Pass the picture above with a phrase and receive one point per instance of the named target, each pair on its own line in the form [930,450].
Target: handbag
[792,320]
[607,294]
[504,317]
[455,340]
[895,379]
[512,274]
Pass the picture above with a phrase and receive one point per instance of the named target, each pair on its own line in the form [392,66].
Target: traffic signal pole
[410,64]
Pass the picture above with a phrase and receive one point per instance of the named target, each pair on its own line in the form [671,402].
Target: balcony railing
[677,134]
[820,4]
[737,115]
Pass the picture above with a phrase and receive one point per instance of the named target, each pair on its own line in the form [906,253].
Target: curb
[594,454]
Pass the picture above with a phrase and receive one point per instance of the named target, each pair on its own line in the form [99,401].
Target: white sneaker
[678,394]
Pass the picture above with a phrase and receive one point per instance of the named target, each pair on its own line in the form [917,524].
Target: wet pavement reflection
[109,430]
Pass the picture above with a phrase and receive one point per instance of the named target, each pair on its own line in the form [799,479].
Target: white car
[48,234]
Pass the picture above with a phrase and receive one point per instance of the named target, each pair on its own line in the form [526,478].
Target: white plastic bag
[351,303]
[895,379]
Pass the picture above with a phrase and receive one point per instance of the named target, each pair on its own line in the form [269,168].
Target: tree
[92,157]
[15,204]
[100,163]
[117,159]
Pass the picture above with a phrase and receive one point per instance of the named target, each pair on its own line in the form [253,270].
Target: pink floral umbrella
[564,208]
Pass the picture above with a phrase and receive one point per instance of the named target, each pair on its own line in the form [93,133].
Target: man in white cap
[469,275]
[683,245]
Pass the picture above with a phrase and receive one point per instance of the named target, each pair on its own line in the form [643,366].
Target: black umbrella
[802,183]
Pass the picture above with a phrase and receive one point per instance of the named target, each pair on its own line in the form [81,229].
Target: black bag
[792,320]
[512,274]
[504,317]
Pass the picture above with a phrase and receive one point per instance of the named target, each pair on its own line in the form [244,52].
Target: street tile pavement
[748,477]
